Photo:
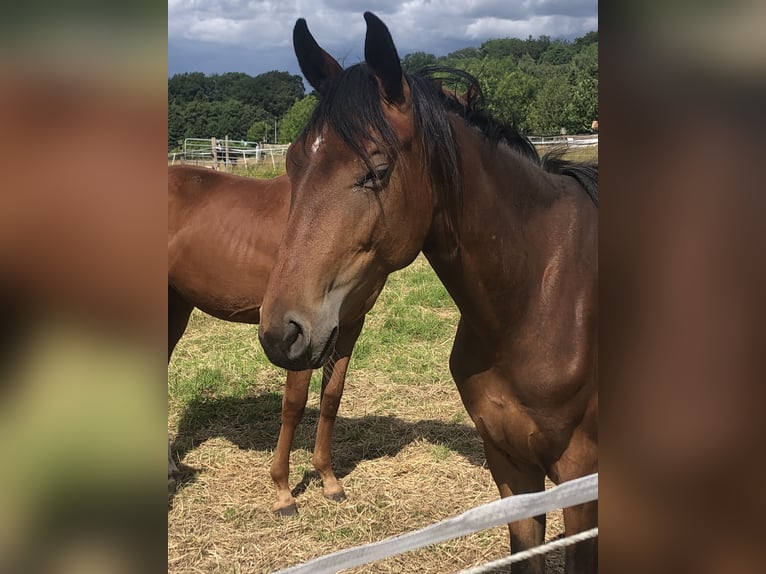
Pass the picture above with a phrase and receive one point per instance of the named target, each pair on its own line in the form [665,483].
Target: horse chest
[504,420]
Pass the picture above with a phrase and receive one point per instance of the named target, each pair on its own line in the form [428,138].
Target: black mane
[356,90]
[469,106]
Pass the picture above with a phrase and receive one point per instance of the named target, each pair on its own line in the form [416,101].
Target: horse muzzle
[290,344]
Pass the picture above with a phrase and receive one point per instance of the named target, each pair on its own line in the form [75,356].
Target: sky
[255,36]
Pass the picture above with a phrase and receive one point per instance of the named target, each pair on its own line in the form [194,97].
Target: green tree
[539,84]
[187,87]
[196,119]
[417,60]
[232,86]
[537,47]
[261,131]
[469,53]
[558,53]
[548,112]
[527,65]
[513,97]
[501,48]
[295,119]
[588,38]
[276,91]
[233,118]
[508,92]
[583,107]
[203,119]
[175,126]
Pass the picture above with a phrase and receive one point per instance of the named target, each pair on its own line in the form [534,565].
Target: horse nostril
[294,339]
[293,331]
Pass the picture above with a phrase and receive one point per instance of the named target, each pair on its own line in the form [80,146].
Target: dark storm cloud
[254,36]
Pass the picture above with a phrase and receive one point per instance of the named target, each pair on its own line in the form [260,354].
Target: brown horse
[223,235]
[389,165]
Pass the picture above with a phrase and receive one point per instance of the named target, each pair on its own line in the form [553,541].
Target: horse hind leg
[179,312]
[513,479]
[293,407]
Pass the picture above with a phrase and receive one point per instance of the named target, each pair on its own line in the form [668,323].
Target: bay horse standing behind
[223,235]
[389,165]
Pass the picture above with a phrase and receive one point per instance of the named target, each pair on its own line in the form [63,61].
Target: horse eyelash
[378,176]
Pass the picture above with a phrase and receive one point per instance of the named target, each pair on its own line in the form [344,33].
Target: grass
[589,153]
[262,169]
[405,449]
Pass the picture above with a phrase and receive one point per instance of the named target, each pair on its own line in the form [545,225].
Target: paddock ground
[405,450]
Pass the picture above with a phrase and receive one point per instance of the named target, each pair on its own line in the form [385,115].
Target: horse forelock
[351,108]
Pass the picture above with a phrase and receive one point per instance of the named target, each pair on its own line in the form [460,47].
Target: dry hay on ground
[407,456]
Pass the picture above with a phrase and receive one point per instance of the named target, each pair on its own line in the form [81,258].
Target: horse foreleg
[512,479]
[333,381]
[583,556]
[580,459]
[293,406]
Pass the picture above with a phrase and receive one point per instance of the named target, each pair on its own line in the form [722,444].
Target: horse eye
[375,179]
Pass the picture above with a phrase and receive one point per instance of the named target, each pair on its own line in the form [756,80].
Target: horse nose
[287,345]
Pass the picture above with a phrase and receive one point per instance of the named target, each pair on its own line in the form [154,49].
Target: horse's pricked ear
[382,59]
[317,65]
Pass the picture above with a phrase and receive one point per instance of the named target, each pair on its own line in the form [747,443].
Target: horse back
[223,235]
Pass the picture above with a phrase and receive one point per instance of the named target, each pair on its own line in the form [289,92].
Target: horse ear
[381,57]
[317,65]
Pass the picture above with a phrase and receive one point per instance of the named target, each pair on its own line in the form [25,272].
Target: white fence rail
[568,141]
[496,513]
[214,152]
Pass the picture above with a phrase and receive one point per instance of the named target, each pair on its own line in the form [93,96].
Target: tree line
[540,85]
[234,104]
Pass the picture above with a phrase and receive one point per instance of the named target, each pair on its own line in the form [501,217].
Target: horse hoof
[336,497]
[291,510]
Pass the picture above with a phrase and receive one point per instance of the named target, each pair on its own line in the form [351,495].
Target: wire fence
[482,517]
[215,152]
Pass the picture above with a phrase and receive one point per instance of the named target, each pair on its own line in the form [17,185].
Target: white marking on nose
[316,144]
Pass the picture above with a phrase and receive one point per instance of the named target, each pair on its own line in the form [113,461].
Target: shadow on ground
[253,423]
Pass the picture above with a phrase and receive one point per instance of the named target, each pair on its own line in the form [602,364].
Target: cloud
[554,26]
[219,34]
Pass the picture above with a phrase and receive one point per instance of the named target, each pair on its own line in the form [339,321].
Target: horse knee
[292,410]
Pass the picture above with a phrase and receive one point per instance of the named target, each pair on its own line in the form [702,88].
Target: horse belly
[228,292]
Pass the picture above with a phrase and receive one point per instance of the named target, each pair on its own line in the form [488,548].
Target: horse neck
[500,231]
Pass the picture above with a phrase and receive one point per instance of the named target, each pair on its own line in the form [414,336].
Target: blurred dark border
[681,287]
[83,408]
[82,294]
